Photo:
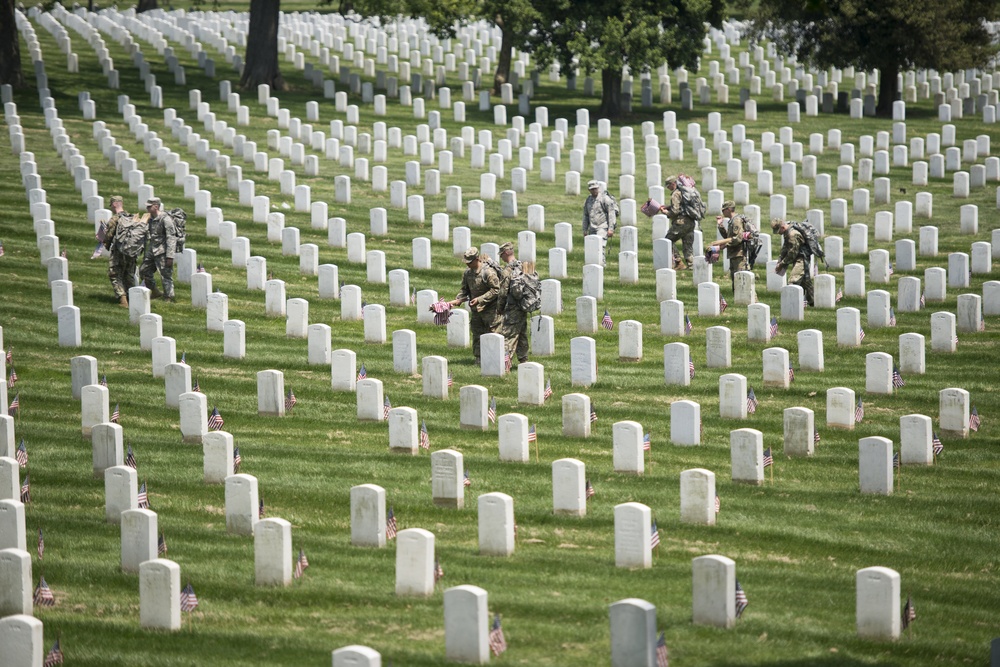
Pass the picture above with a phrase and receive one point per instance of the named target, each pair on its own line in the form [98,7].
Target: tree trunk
[611,94]
[887,91]
[145,6]
[261,65]
[502,74]
[10,47]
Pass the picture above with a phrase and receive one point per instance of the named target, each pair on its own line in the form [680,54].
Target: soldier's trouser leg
[603,235]
[522,342]
[166,275]
[477,329]
[126,273]
[799,275]
[689,244]
[146,271]
[115,277]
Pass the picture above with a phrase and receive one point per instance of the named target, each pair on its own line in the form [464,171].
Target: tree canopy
[888,35]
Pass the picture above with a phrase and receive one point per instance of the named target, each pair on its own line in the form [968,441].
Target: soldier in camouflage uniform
[792,260]
[599,216]
[681,227]
[515,320]
[732,226]
[160,251]
[480,287]
[509,268]
[121,269]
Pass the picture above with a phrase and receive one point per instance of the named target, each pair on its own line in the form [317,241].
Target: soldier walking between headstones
[599,216]
[159,256]
[792,260]
[508,268]
[523,297]
[682,226]
[733,226]
[121,268]
[480,287]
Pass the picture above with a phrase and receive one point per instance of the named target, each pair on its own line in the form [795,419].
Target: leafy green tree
[888,35]
[261,63]
[608,35]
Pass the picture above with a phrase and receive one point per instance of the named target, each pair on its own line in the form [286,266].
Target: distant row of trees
[605,36]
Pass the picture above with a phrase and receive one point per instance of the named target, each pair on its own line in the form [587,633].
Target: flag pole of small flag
[290,400]
[859,412]
[386,406]
[491,413]
[897,379]
[161,545]
[117,414]
[54,656]
[425,438]
[301,563]
[974,419]
[215,420]
[189,601]
[130,458]
[606,321]
[741,599]
[662,656]
[362,372]
[22,454]
[548,389]
[498,644]
[237,460]
[390,525]
[774,327]
[143,497]
[43,594]
[466,480]
[654,535]
[751,402]
[589,490]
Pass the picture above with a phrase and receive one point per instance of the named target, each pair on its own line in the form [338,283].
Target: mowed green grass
[797,542]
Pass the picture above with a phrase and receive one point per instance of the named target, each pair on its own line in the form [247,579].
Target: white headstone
[633,524]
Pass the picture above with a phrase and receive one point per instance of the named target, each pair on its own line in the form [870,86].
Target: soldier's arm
[170,231]
[586,216]
[493,282]
[463,292]
[109,233]
[612,218]
[674,209]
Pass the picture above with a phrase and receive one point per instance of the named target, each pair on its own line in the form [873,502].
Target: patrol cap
[776,223]
[670,179]
[470,255]
[507,247]
[117,198]
[154,201]
[593,184]
[730,204]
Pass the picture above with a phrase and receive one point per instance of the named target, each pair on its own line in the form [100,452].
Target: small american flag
[451,381]
[859,411]
[130,458]
[840,294]
[26,489]
[290,400]
[54,656]
[362,372]
[196,386]
[260,510]
[161,545]
[532,434]
[102,231]
[768,458]
[791,373]
[895,461]
[548,389]
[897,379]
[923,300]
[982,324]
[143,497]
[891,271]
[937,445]
[815,435]
[861,334]
[15,405]
[954,339]
[201,268]
[741,599]
[390,525]
[647,442]
[117,414]
[718,504]
[364,304]
[497,642]
[97,250]
[301,563]
[606,321]
[892,317]
[12,380]
[662,657]
[63,254]
[491,413]
[690,369]
[466,480]
[43,594]
[41,545]
[722,304]
[589,490]
[688,327]
[774,327]
[104,380]
[974,419]
[425,438]
[654,536]
[438,572]
[751,401]
[909,613]
[188,598]
[215,420]
[413,296]
[184,357]
[508,363]
[237,460]
[22,454]
[10,356]
[593,413]
[2,251]
[386,406]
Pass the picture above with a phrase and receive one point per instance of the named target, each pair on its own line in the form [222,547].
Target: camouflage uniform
[681,227]
[483,285]
[162,246]
[515,320]
[732,232]
[507,273]
[599,219]
[121,269]
[792,257]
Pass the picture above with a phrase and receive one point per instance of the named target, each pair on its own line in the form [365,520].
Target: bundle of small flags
[290,400]
[143,497]
[130,458]
[548,389]
[937,445]
[117,414]
[751,401]
[647,443]
[589,490]
[606,321]
[688,327]
[390,525]
[386,406]
[491,413]
[21,454]
[425,438]
[897,379]
[722,304]
[55,654]
[974,419]
[43,594]
[593,413]
[362,372]
[301,563]
[497,642]
[237,460]
[774,327]
[741,599]
[768,458]
[532,434]
[859,412]
[188,598]
[215,421]
[466,480]
[654,536]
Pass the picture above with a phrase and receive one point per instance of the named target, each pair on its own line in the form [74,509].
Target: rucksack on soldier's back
[180,223]
[130,235]
[614,205]
[528,291]
[812,244]
[692,205]
[751,241]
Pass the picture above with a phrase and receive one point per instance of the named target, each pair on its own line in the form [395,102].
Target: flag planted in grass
[260,510]
[15,405]
[390,525]
[117,414]
[41,545]
[290,400]
[688,327]
[937,445]
[215,420]
[491,413]
[104,380]
[12,378]
[26,490]
[43,594]
[909,613]
[237,460]
[189,601]
[130,458]
[498,644]
[751,401]
[548,389]
[438,572]
[425,438]
[859,412]
[466,480]
[773,331]
[386,406]
[161,545]
[21,454]
[768,458]
[897,379]
[606,321]
[362,372]
[723,304]
[301,563]
[589,490]
[654,535]
[143,497]
[532,434]
[741,599]
[593,413]
[974,419]
[647,442]
[54,656]
[662,657]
